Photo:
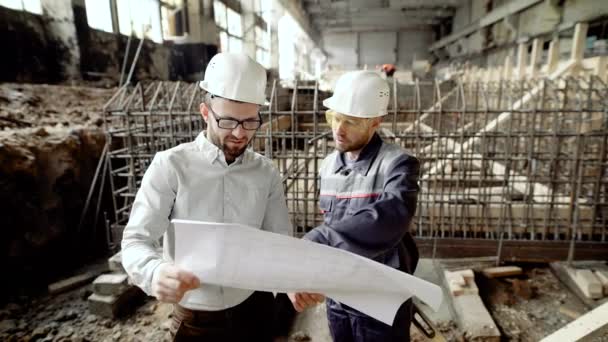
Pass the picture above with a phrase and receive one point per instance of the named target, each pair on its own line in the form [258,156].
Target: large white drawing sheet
[242,257]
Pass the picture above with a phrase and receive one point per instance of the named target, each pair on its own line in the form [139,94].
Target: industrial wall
[357,49]
[59,46]
[489,46]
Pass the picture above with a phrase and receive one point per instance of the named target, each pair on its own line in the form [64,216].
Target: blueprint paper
[238,256]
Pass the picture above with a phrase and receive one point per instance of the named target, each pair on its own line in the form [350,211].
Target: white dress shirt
[193,181]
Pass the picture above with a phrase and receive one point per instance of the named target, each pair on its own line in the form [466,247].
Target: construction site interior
[504,102]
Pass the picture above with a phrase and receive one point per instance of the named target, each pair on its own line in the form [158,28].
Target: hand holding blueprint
[242,257]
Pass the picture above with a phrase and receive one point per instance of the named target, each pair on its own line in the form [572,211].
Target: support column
[59,17]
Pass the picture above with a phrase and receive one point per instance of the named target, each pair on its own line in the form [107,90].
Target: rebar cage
[502,160]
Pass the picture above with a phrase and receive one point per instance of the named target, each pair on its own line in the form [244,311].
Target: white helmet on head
[235,76]
[362,94]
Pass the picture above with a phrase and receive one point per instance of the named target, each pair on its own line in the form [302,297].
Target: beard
[230,152]
[234,151]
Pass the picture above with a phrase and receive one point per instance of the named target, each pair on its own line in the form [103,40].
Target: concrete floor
[313,322]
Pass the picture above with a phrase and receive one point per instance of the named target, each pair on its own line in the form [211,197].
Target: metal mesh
[516,160]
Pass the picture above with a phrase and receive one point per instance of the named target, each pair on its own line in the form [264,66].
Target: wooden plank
[561,271]
[502,271]
[565,310]
[587,282]
[519,211]
[463,263]
[592,324]
[467,274]
[461,282]
[72,282]
[602,276]
[455,279]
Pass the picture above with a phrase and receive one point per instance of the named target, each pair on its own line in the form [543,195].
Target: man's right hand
[170,282]
[303,300]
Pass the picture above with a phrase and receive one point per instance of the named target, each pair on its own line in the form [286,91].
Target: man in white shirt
[214,178]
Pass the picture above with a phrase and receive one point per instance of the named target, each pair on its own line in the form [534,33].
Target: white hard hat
[235,76]
[362,94]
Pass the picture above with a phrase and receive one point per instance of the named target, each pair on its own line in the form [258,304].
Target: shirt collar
[214,153]
[366,157]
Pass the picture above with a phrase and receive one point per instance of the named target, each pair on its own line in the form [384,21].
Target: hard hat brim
[329,103]
[205,86]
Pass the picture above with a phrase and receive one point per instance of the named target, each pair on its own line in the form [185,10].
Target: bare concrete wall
[342,50]
[413,44]
[352,50]
[377,48]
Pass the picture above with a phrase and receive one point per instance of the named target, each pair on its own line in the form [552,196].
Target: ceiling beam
[423,3]
[421,27]
[294,8]
[379,12]
[394,21]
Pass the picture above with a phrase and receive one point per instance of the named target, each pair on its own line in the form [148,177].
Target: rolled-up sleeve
[379,226]
[276,217]
[149,219]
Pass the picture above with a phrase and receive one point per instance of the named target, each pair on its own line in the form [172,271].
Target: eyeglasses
[334,118]
[225,123]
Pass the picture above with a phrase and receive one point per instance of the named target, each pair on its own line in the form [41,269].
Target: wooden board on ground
[602,275]
[560,270]
[459,264]
[502,271]
[461,282]
[592,324]
[72,282]
[565,310]
[587,282]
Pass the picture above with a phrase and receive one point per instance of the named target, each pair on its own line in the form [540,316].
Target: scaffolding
[502,162]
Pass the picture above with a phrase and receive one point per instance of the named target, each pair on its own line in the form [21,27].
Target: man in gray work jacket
[214,178]
[368,197]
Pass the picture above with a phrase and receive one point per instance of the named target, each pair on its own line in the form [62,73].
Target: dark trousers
[349,325]
[252,320]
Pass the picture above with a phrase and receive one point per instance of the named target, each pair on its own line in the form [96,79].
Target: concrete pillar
[578,42]
[249,24]
[536,51]
[553,57]
[59,17]
[277,13]
[522,54]
[508,68]
[202,27]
